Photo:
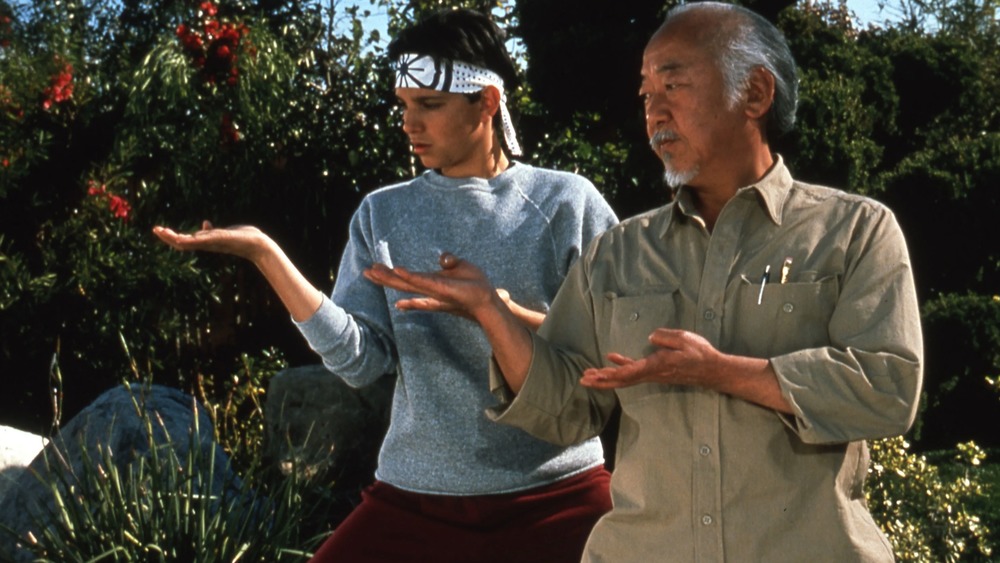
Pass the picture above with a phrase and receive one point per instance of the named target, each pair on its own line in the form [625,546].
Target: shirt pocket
[632,318]
[786,317]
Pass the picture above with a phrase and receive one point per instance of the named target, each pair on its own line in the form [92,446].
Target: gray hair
[750,42]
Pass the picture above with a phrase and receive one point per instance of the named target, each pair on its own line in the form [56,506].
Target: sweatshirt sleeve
[351,331]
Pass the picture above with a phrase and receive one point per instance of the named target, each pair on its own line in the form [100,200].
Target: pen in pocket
[763,281]
[785,268]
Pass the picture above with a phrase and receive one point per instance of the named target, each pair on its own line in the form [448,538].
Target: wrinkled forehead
[668,49]
[685,39]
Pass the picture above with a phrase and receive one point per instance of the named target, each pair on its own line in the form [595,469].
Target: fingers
[404,280]
[175,239]
[168,236]
[606,378]
[619,359]
[626,372]
[423,304]
[666,337]
[392,278]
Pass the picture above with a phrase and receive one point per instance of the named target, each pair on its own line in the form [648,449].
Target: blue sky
[867,11]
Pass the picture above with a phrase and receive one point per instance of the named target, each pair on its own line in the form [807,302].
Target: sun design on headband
[413,71]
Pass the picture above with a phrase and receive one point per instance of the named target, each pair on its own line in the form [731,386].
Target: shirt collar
[773,188]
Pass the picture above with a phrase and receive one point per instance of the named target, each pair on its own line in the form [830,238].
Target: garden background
[117,116]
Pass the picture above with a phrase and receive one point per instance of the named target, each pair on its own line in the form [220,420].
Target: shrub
[925,513]
[164,506]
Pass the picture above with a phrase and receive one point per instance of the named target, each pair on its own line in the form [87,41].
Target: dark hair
[753,42]
[460,35]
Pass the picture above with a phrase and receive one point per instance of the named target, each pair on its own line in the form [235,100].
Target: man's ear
[759,93]
[490,98]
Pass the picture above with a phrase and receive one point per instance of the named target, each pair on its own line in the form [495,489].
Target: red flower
[213,46]
[60,87]
[119,207]
[212,28]
[93,189]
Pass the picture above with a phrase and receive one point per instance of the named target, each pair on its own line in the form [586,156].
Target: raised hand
[463,289]
[243,241]
[681,358]
[686,358]
[459,287]
[299,296]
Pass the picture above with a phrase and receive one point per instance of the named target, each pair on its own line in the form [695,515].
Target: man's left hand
[682,358]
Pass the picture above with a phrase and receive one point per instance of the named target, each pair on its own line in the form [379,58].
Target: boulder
[326,430]
[17,449]
[119,428]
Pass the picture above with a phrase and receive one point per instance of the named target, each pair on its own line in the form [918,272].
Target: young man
[451,484]
[755,332]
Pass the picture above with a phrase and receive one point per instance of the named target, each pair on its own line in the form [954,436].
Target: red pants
[545,525]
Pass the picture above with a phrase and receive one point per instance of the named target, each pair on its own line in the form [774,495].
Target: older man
[755,332]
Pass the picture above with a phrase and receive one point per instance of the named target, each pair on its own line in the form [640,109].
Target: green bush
[926,511]
[165,507]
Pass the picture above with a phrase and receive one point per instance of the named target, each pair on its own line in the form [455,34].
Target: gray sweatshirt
[523,228]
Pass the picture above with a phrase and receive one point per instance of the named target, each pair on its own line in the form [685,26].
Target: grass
[172,504]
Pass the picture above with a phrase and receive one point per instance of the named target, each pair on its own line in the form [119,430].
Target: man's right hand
[459,287]
[462,288]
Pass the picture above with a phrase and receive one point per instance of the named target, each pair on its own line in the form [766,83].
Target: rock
[328,430]
[17,449]
[111,424]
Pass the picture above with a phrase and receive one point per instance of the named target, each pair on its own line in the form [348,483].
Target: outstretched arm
[462,288]
[299,296]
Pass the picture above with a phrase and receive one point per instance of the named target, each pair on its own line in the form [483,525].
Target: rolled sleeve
[552,405]
[867,383]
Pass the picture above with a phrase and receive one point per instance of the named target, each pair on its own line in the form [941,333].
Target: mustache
[662,136]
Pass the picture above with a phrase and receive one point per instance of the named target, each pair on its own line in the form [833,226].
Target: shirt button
[788,307]
[634,316]
[704,450]
[709,315]
[706,520]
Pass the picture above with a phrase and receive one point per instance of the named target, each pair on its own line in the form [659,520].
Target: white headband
[424,71]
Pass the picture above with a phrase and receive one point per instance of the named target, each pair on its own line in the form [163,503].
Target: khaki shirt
[702,476]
